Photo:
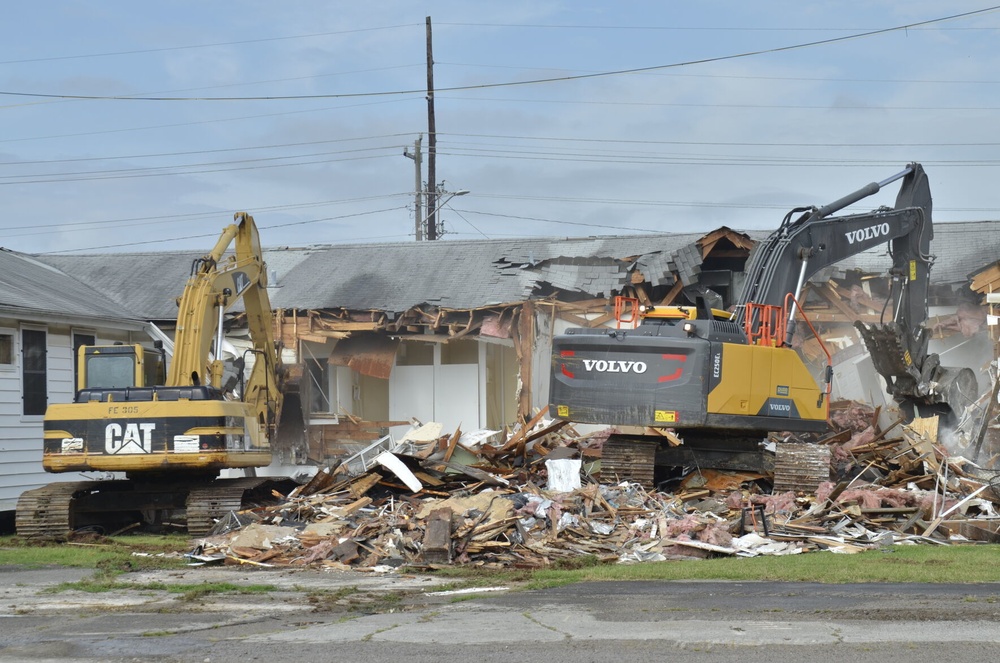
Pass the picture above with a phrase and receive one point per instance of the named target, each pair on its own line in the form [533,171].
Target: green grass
[105,554]
[110,557]
[921,564]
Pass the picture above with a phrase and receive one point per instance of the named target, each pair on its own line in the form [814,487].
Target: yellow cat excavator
[170,432]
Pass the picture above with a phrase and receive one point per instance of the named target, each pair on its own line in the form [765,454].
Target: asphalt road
[317,616]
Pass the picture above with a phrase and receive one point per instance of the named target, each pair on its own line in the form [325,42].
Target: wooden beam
[672,295]
[524,346]
[597,322]
[575,319]
[829,293]
[349,326]
[987,276]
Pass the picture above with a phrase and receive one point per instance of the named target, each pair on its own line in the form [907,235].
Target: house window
[321,398]
[6,349]
[34,377]
[319,390]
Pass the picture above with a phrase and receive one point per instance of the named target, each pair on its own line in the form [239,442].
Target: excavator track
[794,466]
[57,510]
[46,512]
[208,504]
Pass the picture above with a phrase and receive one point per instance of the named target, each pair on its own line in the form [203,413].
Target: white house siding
[20,435]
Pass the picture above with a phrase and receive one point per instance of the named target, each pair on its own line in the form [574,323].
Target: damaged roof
[470,274]
[394,277]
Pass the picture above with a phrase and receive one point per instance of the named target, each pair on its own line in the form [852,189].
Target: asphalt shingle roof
[463,274]
[33,286]
[452,274]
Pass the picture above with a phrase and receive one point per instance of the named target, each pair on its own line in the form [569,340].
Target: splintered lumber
[489,507]
[364,484]
[937,521]
[518,437]
[452,444]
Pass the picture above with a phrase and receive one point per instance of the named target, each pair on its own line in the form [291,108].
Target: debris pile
[535,498]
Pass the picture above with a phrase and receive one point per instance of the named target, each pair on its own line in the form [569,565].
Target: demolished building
[376,336]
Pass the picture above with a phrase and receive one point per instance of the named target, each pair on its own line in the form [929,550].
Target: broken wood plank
[437,537]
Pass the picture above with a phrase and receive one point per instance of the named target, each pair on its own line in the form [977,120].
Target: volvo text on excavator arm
[899,347]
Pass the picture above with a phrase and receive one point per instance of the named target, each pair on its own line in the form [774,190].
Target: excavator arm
[215,285]
[803,246]
[800,248]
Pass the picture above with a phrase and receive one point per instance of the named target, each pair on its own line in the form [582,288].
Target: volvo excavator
[172,431]
[722,382]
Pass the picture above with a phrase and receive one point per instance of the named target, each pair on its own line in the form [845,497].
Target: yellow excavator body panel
[137,436]
[764,380]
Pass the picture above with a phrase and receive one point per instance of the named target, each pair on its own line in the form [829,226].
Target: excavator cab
[120,366]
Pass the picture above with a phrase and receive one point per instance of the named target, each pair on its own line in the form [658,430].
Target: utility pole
[418,187]
[432,211]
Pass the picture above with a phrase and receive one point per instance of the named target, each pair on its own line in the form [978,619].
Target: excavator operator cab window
[108,367]
[154,367]
[110,372]
[663,322]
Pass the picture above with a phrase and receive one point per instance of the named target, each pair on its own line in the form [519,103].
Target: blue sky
[299,113]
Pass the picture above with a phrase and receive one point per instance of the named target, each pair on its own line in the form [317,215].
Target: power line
[215,151]
[568,223]
[678,104]
[77,226]
[676,28]
[505,137]
[618,72]
[142,173]
[817,79]
[197,46]
[712,143]
[199,122]
[170,170]
[260,227]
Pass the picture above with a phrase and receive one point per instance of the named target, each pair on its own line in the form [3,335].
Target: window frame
[24,372]
[74,347]
[14,348]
